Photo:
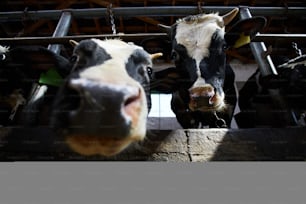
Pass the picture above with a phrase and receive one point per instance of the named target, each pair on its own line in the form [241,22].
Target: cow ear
[228,17]
[165,28]
[244,31]
[165,81]
[156,55]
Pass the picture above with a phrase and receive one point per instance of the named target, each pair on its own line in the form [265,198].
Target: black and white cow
[202,82]
[275,100]
[203,87]
[103,100]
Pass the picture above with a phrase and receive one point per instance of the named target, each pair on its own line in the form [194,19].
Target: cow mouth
[207,104]
[88,145]
[205,99]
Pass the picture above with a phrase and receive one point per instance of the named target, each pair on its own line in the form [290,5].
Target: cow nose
[201,96]
[107,108]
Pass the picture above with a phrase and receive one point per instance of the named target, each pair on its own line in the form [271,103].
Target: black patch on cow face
[185,64]
[88,53]
[137,67]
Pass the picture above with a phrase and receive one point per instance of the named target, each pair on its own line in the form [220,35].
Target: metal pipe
[61,30]
[131,37]
[65,39]
[145,11]
[278,37]
[259,49]
[266,68]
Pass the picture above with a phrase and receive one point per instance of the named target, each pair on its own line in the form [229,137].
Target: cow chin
[108,144]
[88,145]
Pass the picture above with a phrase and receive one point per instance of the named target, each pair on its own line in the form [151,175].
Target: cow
[20,68]
[102,100]
[275,100]
[202,82]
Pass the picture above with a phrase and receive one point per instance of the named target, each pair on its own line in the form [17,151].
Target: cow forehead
[115,67]
[196,34]
[117,49]
[120,53]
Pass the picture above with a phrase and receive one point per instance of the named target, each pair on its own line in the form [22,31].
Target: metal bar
[61,30]
[258,49]
[65,39]
[283,37]
[266,68]
[146,11]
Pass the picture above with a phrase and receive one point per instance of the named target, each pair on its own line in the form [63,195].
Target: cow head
[198,48]
[103,105]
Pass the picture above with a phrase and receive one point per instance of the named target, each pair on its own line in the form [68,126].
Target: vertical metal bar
[61,30]
[39,90]
[258,49]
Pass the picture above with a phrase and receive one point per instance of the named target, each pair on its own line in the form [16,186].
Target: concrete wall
[192,145]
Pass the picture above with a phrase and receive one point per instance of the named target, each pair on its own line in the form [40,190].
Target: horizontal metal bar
[278,37]
[145,11]
[65,39]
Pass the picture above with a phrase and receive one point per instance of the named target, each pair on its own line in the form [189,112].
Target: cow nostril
[132,104]
[132,98]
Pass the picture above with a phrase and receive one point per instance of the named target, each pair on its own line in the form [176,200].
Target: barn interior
[55,22]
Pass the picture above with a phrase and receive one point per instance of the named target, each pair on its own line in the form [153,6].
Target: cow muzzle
[205,98]
[109,117]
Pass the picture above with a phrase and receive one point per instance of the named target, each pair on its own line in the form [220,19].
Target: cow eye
[174,55]
[150,71]
[224,46]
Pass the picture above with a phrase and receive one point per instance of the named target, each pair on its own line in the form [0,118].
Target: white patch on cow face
[196,36]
